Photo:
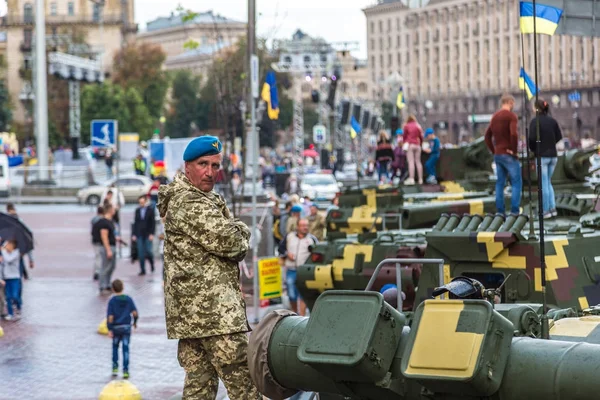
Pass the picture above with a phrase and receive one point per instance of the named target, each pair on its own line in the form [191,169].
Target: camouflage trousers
[207,359]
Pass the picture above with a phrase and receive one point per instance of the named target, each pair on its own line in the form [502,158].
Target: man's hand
[133,238]
[510,152]
[31,264]
[2,283]
[291,257]
[151,237]
[109,254]
[135,325]
[110,334]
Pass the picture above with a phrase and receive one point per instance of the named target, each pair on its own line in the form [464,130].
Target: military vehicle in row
[357,346]
[409,207]
[486,247]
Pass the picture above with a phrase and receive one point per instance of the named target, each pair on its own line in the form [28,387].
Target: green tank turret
[341,264]
[356,346]
[493,247]
[572,169]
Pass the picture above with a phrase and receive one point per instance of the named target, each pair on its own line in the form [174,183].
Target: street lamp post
[41,89]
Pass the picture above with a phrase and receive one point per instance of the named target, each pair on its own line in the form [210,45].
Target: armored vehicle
[357,346]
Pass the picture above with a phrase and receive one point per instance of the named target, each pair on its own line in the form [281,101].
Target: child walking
[10,276]
[121,309]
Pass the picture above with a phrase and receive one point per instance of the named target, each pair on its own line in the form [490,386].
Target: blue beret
[202,146]
[399,131]
[429,131]
[296,208]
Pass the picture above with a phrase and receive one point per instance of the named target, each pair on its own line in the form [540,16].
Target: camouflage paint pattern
[492,252]
[203,245]
[209,359]
[347,265]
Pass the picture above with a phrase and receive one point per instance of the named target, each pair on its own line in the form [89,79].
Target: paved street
[54,351]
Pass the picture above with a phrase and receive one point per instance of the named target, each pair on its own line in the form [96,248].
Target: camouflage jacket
[203,245]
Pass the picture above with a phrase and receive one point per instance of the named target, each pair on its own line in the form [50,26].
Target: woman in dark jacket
[550,134]
[384,155]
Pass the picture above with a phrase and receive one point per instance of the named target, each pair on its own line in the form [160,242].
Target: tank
[573,167]
[349,264]
[490,247]
[356,346]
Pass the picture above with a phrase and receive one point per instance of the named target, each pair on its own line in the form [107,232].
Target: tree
[139,66]
[387,109]
[108,101]
[141,121]
[5,107]
[184,104]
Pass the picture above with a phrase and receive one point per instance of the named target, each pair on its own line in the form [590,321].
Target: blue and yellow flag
[400,103]
[546,18]
[269,94]
[527,84]
[355,128]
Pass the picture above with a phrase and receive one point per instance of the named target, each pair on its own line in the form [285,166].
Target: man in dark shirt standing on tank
[502,138]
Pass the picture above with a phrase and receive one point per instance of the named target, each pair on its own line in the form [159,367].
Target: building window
[380,26]
[373,44]
[96,13]
[362,87]
[398,24]
[372,27]
[389,42]
[389,24]
[28,13]
[399,59]
[27,36]
[398,41]
[53,9]
[389,60]
[372,61]
[71,8]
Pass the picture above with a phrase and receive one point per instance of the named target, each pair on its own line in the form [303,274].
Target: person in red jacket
[413,140]
[501,138]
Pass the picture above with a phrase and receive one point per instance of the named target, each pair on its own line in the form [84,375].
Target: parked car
[132,187]
[320,186]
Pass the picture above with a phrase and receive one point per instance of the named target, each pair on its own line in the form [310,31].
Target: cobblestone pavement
[54,350]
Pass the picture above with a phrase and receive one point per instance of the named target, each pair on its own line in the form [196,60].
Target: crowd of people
[403,159]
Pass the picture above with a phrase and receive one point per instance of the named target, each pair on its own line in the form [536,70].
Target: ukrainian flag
[400,100]
[269,94]
[527,84]
[355,128]
[546,18]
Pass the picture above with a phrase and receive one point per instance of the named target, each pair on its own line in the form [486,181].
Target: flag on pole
[355,128]
[269,94]
[400,100]
[546,18]
[525,82]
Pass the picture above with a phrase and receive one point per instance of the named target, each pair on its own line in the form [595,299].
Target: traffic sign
[319,134]
[104,132]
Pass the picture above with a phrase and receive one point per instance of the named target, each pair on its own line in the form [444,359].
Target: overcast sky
[334,20]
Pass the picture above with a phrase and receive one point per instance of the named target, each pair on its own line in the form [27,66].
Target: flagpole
[526,160]
[545,327]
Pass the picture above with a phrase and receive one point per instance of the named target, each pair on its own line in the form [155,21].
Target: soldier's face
[202,172]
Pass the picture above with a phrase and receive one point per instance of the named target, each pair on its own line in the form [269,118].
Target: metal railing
[398,262]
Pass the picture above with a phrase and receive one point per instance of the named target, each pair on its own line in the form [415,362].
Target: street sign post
[104,133]
[319,134]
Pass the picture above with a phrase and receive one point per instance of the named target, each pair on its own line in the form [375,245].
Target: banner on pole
[269,278]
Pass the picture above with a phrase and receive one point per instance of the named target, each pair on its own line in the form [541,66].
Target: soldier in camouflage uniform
[204,305]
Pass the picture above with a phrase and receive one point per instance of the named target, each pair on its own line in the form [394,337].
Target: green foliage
[184,104]
[286,111]
[191,44]
[5,107]
[140,66]
[109,101]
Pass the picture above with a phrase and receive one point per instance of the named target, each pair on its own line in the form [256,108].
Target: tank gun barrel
[465,362]
[577,164]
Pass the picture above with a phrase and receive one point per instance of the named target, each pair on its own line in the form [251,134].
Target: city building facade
[211,32]
[85,27]
[457,57]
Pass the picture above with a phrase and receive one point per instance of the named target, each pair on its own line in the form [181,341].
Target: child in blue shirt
[121,309]
[10,276]
[434,155]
